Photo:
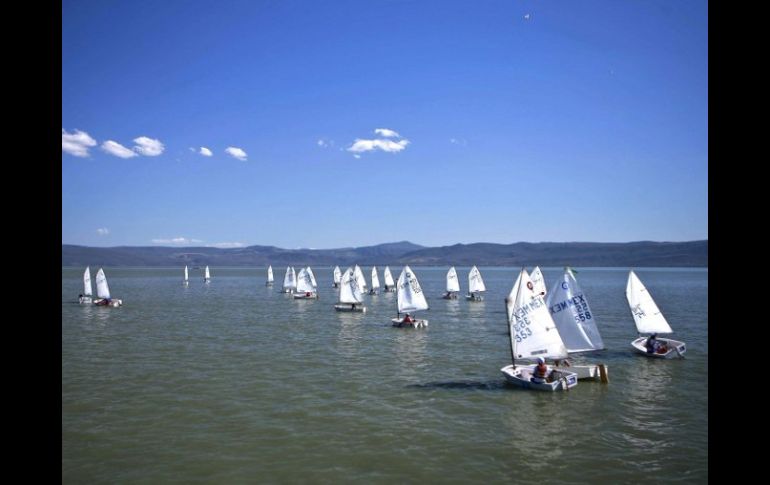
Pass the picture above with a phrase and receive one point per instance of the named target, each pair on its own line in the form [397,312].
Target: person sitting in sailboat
[653,346]
[540,374]
[408,319]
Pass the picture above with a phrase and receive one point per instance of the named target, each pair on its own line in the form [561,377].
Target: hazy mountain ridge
[638,254]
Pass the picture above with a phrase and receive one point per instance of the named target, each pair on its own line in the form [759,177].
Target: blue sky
[354,123]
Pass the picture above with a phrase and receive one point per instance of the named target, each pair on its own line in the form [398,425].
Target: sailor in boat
[103,302]
[653,346]
[540,374]
[408,319]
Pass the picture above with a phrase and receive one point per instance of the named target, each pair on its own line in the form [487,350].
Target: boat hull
[520,377]
[392,289]
[85,300]
[451,296]
[305,296]
[587,372]
[474,297]
[347,308]
[675,348]
[416,323]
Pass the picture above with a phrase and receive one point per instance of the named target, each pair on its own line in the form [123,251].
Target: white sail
[475,282]
[573,317]
[270,274]
[538,281]
[350,292]
[290,279]
[647,316]
[87,282]
[452,283]
[312,277]
[304,283]
[360,277]
[186,274]
[337,275]
[102,290]
[389,278]
[410,296]
[207,274]
[375,278]
[533,332]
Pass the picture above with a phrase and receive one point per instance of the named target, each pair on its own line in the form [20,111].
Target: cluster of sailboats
[102,291]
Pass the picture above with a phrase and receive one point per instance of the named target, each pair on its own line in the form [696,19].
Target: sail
[289,280]
[573,317]
[475,283]
[452,283]
[337,275]
[360,277]
[87,282]
[350,292]
[312,277]
[509,300]
[207,275]
[538,281]
[532,330]
[410,296]
[389,278]
[102,290]
[186,274]
[269,274]
[304,283]
[647,316]
[375,278]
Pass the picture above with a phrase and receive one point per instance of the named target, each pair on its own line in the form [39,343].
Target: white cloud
[226,245]
[102,231]
[176,240]
[527,16]
[114,148]
[325,143]
[205,152]
[391,146]
[236,153]
[76,143]
[387,133]
[458,141]
[148,147]
[356,155]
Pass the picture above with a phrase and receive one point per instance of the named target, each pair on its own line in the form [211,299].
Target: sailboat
[351,295]
[337,277]
[103,292]
[186,280]
[269,276]
[375,281]
[538,282]
[475,285]
[289,280]
[649,319]
[576,324]
[452,284]
[306,285]
[533,334]
[206,275]
[390,285]
[360,278]
[411,298]
[85,298]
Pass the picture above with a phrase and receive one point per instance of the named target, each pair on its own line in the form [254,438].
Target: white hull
[451,296]
[593,372]
[347,308]
[520,377]
[287,290]
[306,296]
[85,300]
[113,303]
[474,297]
[417,323]
[675,348]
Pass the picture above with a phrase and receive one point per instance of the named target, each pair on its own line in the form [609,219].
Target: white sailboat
[337,276]
[533,334]
[186,280]
[289,280]
[305,288]
[411,298]
[360,278]
[649,319]
[375,281]
[351,294]
[269,276]
[390,285]
[452,284]
[538,281]
[103,292]
[475,285]
[576,323]
[206,275]
[85,298]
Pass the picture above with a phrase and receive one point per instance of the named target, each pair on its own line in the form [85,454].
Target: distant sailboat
[337,276]
[206,275]
[351,294]
[475,285]
[289,280]
[452,284]
[306,285]
[538,282]
[649,319]
[85,298]
[390,285]
[411,298]
[375,281]
[532,334]
[269,276]
[103,291]
[186,280]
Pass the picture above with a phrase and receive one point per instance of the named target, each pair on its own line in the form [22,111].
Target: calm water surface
[235,382]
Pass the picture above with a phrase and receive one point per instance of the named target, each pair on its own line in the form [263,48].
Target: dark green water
[233,382]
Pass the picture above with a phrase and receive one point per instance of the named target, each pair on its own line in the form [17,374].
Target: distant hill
[637,254]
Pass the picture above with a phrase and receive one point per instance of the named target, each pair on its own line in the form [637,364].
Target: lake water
[234,382]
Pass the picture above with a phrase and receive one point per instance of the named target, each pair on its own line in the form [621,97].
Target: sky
[306,124]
